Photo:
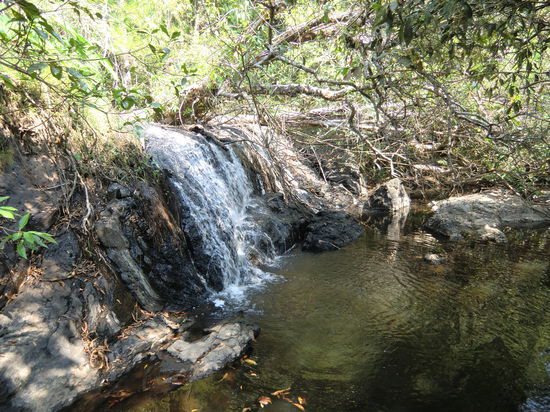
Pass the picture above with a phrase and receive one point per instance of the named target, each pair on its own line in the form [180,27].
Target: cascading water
[217,206]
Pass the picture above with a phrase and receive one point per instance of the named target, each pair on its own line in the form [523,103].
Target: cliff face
[85,311]
[129,259]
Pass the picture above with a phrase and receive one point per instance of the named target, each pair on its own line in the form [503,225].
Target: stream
[373,327]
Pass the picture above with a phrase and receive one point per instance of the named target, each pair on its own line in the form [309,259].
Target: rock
[491,234]
[483,216]
[43,363]
[223,344]
[25,180]
[434,258]
[110,232]
[330,230]
[98,317]
[388,198]
[59,259]
[133,276]
[117,191]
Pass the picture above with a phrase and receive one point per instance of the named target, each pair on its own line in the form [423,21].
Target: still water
[373,327]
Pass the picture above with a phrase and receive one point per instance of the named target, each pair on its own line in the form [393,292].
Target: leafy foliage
[23,240]
[468,78]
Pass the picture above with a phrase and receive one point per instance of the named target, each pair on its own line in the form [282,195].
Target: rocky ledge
[484,216]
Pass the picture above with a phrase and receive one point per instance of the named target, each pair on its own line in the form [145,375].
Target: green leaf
[24,220]
[47,237]
[39,241]
[56,71]
[127,103]
[36,68]
[30,9]
[3,198]
[29,238]
[7,214]
[21,250]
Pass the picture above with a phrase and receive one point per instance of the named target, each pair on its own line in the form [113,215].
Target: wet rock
[330,230]
[434,258]
[139,343]
[59,259]
[388,198]
[483,216]
[223,344]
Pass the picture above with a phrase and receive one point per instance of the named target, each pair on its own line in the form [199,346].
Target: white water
[217,201]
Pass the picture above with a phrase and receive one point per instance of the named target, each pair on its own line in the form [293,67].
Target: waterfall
[217,208]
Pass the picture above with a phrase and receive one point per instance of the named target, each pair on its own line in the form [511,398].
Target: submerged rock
[483,216]
[434,258]
[388,198]
[330,230]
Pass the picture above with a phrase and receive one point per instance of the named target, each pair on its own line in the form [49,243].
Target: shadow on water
[373,327]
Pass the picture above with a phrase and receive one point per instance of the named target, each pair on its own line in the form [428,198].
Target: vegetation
[23,239]
[446,92]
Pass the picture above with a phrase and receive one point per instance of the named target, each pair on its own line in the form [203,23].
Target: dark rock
[117,191]
[483,216]
[392,225]
[133,276]
[24,181]
[388,198]
[110,232]
[330,230]
[99,318]
[60,258]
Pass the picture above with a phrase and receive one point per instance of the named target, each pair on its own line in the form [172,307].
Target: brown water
[372,327]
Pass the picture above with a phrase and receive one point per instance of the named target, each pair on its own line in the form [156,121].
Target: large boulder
[483,216]
[388,198]
[330,230]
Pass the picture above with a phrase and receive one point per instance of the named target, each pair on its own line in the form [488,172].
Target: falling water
[217,206]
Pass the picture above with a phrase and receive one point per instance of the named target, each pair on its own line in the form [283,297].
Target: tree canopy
[451,90]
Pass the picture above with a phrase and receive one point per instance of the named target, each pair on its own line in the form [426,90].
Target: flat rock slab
[483,216]
[223,344]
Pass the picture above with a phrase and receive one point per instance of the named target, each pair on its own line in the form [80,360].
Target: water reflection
[372,327]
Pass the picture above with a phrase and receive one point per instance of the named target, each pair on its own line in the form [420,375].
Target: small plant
[22,239]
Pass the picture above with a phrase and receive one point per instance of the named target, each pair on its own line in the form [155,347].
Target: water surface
[372,327]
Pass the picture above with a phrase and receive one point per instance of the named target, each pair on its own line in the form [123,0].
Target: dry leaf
[224,377]
[299,406]
[302,401]
[280,392]
[264,401]
[253,374]
[251,362]
[246,410]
